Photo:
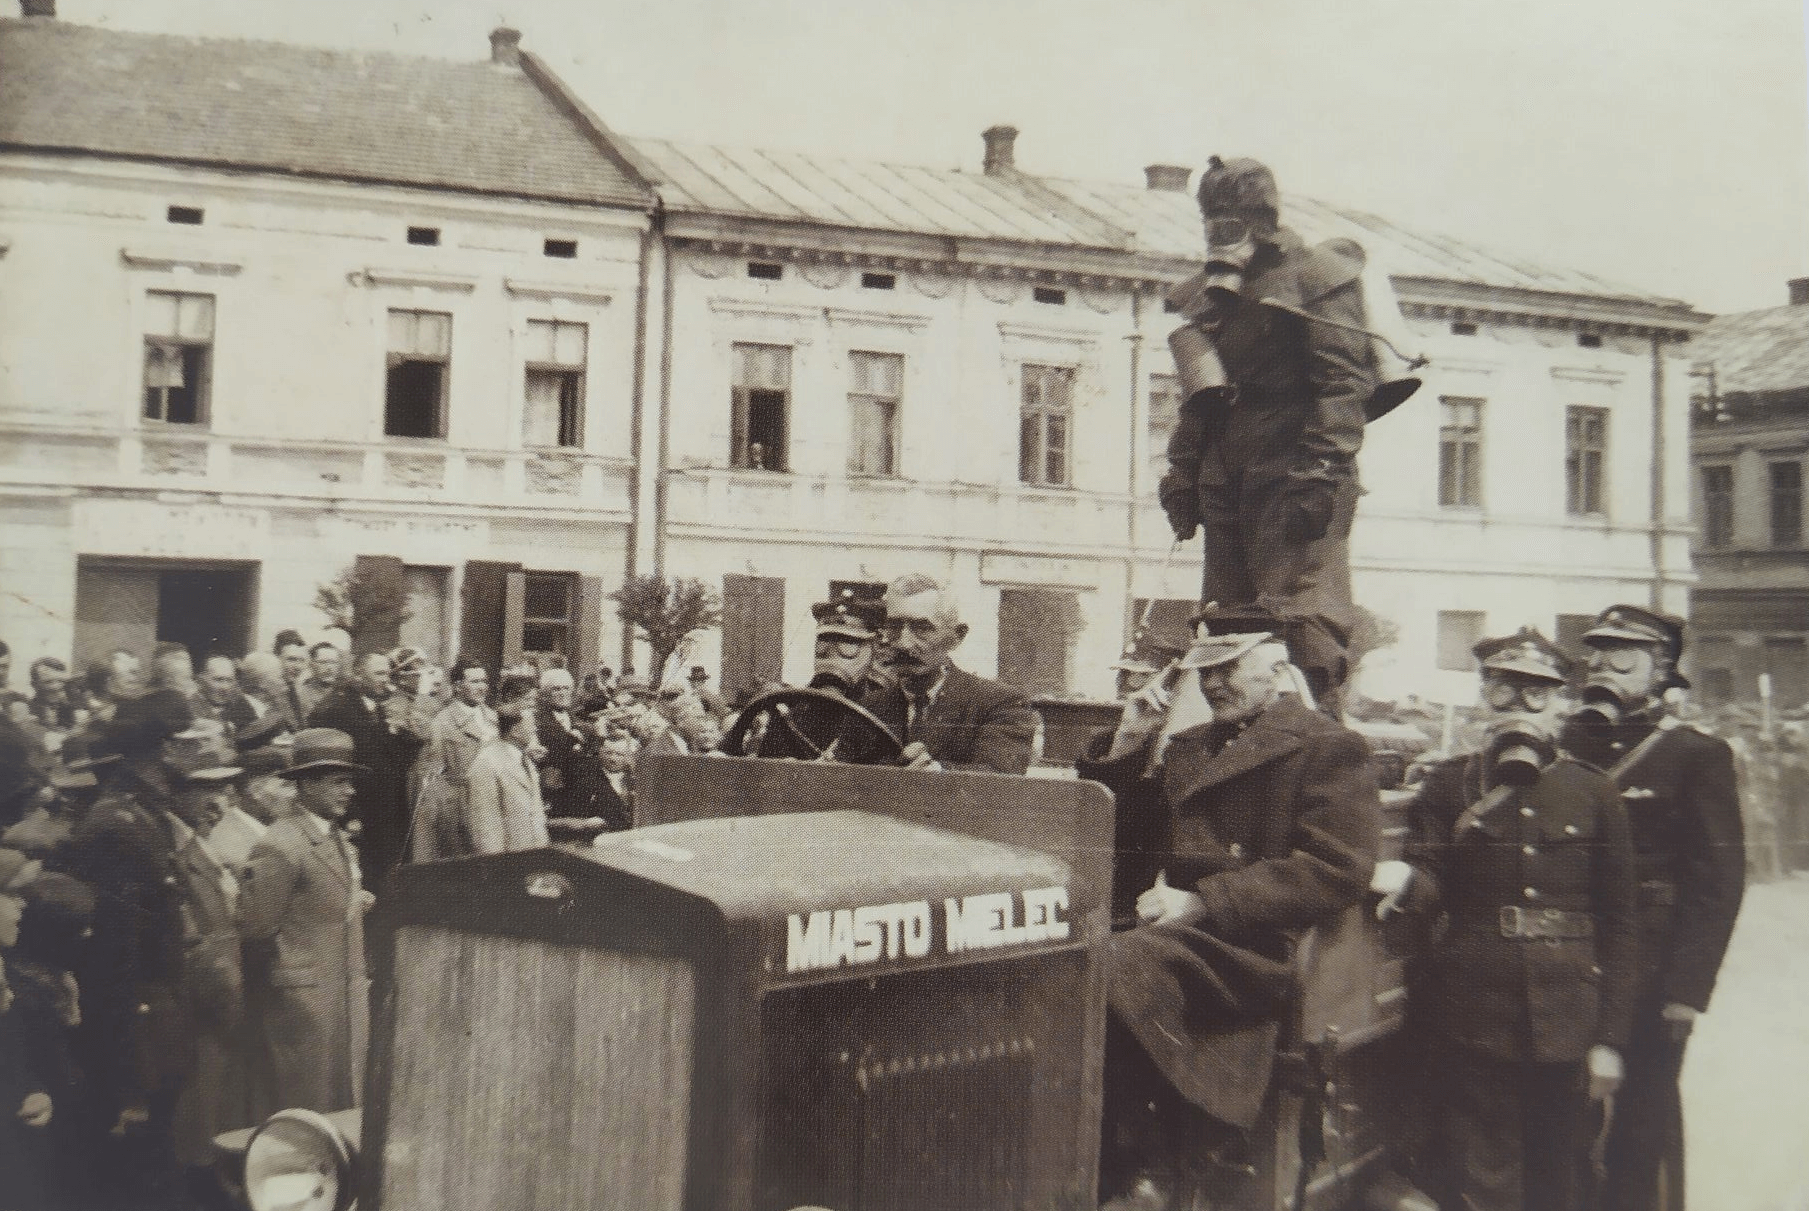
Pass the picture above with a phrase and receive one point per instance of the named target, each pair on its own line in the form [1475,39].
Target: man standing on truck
[1275,385]
[1268,821]
[1683,807]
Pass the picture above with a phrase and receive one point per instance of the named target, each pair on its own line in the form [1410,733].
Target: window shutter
[515,598]
[481,604]
[588,643]
[382,597]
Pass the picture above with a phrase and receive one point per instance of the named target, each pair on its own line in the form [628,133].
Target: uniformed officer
[1683,808]
[847,641]
[1264,452]
[1528,992]
[847,644]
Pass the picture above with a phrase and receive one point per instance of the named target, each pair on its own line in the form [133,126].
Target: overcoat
[218,1097]
[1559,844]
[972,723]
[570,770]
[503,807]
[1276,828]
[458,732]
[300,906]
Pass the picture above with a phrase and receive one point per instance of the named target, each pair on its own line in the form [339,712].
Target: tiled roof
[1757,351]
[471,127]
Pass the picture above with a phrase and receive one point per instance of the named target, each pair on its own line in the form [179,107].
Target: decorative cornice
[753,309]
[876,319]
[165,262]
[557,290]
[1137,278]
[1470,302]
[1048,332]
[456,283]
[1586,374]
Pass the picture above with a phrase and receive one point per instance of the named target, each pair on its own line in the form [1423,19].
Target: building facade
[1749,442]
[504,371]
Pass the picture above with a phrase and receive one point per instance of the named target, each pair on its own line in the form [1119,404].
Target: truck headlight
[299,1161]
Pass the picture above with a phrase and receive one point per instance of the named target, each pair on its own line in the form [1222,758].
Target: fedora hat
[322,750]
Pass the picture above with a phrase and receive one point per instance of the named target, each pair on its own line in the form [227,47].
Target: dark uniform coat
[1300,388]
[387,748]
[218,1098]
[299,912]
[569,773]
[1276,828]
[1559,844]
[971,723]
[1683,809]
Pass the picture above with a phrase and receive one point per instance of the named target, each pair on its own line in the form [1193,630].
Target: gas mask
[842,664]
[1230,247]
[1611,695]
[1522,739]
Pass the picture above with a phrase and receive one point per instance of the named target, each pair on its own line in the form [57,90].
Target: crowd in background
[187,853]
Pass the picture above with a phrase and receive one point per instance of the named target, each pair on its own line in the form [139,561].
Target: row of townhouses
[268,311]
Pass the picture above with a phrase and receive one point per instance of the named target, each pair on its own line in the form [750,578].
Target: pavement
[1746,1073]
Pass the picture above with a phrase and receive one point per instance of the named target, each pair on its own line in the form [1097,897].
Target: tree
[663,612]
[362,605]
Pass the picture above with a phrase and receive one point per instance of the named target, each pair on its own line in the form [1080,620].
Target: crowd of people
[187,855]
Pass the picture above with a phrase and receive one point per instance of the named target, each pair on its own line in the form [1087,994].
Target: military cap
[323,750]
[848,616]
[1637,624]
[1209,651]
[1315,648]
[633,685]
[1525,652]
[1151,651]
[1238,184]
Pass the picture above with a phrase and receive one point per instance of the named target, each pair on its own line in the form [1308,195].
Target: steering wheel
[813,725]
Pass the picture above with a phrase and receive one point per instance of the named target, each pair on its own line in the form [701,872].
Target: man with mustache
[947,718]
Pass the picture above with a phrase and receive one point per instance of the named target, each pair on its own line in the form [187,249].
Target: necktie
[295,707]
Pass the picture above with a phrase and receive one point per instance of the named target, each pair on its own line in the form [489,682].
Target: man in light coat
[303,905]
[459,731]
[504,810]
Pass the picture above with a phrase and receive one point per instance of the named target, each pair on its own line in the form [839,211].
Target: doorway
[137,604]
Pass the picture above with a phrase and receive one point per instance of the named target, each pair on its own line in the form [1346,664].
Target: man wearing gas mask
[1528,989]
[847,640]
[1276,373]
[1683,808]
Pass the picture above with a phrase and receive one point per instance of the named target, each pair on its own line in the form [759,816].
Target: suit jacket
[504,810]
[971,724]
[381,807]
[310,693]
[440,825]
[612,805]
[570,772]
[236,715]
[1565,840]
[1689,844]
[301,914]
[1276,829]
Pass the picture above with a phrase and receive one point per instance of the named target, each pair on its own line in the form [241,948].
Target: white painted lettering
[841,939]
[807,946]
[916,919]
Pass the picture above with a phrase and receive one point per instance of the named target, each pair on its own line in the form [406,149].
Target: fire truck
[802,986]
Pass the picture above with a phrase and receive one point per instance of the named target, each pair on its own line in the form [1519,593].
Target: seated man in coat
[947,718]
[1267,821]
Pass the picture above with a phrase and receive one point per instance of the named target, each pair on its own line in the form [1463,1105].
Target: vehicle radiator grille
[536,1077]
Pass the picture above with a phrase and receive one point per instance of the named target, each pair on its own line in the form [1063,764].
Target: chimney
[38,8]
[1167,178]
[1799,291]
[505,47]
[1000,142]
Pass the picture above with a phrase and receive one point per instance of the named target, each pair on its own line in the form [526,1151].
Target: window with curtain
[876,384]
[420,362]
[1460,453]
[1044,417]
[759,400]
[552,411]
[178,350]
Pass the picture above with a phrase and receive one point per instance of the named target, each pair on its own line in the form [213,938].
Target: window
[178,349]
[1717,506]
[879,281]
[1458,632]
[876,381]
[420,356]
[566,249]
[1460,453]
[1050,295]
[1462,328]
[1164,413]
[768,271]
[425,236]
[548,603]
[1585,460]
[1043,425]
[759,400]
[553,397]
[190,216]
[1786,503]
[1589,340]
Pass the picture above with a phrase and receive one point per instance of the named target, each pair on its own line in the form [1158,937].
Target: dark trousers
[1509,1135]
[1250,558]
[1647,1131]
